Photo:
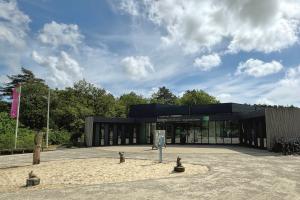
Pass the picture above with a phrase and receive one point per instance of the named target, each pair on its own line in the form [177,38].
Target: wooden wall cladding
[282,123]
[88,132]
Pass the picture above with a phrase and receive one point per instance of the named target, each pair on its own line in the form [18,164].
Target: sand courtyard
[212,172]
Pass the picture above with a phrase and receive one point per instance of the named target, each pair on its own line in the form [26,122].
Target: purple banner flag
[15,102]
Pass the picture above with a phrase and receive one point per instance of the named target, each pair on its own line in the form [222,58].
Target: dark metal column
[115,134]
[137,133]
[97,134]
[173,131]
[106,134]
[123,136]
[131,132]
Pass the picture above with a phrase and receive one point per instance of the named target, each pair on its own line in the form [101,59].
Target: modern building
[225,123]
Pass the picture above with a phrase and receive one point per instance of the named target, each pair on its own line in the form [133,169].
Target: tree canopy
[197,97]
[26,76]
[163,96]
[127,100]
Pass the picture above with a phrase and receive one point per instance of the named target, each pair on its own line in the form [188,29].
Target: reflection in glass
[204,131]
[227,132]
[212,132]
[219,129]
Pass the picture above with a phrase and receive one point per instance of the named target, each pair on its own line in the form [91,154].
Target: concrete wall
[282,122]
[88,132]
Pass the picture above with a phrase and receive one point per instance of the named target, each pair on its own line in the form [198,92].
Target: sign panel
[159,138]
[205,118]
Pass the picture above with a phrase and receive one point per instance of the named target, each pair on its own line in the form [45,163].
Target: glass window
[102,134]
[212,132]
[227,132]
[177,134]
[191,135]
[204,131]
[197,136]
[235,132]
[169,133]
[219,129]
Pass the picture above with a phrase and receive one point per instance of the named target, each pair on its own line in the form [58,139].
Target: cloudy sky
[240,51]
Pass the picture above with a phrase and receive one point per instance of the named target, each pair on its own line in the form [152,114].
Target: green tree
[163,96]
[197,97]
[127,100]
[33,108]
[24,77]
[4,106]
[7,133]
[75,103]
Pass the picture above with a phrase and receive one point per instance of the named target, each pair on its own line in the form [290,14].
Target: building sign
[205,118]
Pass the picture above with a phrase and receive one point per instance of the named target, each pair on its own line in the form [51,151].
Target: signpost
[161,142]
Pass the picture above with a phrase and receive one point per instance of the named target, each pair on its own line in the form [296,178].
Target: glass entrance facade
[206,132]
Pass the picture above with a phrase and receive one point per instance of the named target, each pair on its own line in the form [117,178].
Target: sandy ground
[91,171]
[180,149]
[234,173]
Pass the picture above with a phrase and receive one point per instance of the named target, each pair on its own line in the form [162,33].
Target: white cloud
[63,70]
[13,24]
[129,6]
[286,90]
[207,62]
[60,34]
[138,67]
[265,101]
[13,33]
[258,68]
[246,25]
[224,97]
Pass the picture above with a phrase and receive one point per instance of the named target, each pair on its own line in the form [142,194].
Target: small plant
[289,147]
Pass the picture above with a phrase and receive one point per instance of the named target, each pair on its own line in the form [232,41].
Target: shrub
[59,137]
[7,134]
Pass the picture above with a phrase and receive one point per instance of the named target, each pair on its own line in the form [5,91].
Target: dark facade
[226,123]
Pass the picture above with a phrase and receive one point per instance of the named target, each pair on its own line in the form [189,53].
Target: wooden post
[37,148]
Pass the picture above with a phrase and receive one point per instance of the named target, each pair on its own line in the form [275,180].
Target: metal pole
[160,153]
[18,113]
[48,117]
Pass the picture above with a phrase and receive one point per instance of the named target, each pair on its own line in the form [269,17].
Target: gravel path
[235,173]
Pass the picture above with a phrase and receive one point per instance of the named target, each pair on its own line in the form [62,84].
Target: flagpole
[48,117]
[18,113]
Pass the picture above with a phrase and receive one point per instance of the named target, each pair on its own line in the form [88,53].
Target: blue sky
[239,51]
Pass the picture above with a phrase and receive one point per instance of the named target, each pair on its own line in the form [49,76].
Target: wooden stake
[37,148]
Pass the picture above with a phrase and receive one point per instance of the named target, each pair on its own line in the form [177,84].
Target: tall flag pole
[15,108]
[48,119]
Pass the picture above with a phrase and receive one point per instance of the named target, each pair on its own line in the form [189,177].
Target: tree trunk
[37,148]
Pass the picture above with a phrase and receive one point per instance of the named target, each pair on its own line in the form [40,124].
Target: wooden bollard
[122,158]
[37,148]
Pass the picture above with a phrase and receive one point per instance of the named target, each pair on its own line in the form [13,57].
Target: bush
[7,134]
[25,139]
[59,137]
[25,135]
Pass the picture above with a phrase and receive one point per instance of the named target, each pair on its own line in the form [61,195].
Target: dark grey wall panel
[106,134]
[88,132]
[97,134]
[282,123]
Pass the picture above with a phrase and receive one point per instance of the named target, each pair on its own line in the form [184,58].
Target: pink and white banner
[15,102]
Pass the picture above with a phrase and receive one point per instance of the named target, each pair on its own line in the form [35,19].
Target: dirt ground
[234,173]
